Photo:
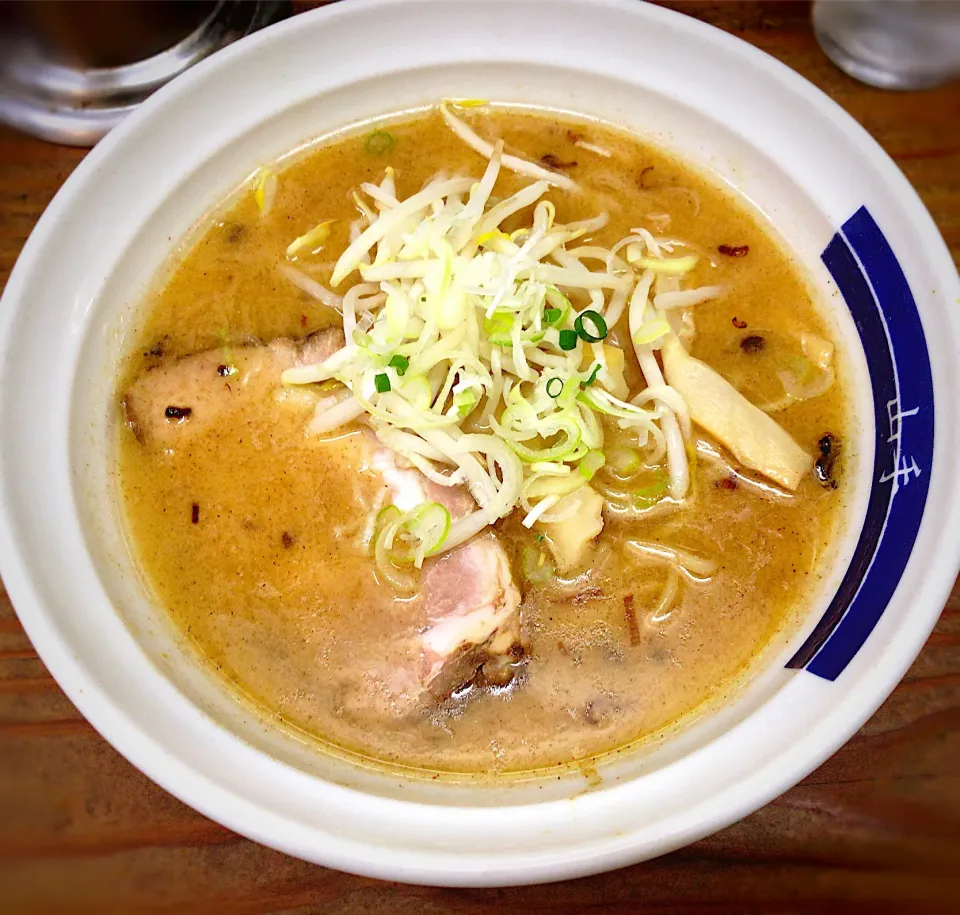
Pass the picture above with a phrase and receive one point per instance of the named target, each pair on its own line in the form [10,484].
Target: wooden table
[877,828]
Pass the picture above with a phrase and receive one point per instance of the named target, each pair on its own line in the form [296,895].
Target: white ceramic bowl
[840,203]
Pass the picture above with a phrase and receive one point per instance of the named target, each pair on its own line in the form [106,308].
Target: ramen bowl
[871,250]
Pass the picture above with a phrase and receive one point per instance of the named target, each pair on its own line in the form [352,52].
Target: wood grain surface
[875,829]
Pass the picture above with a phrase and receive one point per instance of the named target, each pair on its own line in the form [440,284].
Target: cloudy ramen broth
[254,536]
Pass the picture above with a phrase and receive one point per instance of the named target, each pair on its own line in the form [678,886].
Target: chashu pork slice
[182,397]
[469,603]
[467,613]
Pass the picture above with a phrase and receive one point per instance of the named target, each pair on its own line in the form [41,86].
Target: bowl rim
[146,753]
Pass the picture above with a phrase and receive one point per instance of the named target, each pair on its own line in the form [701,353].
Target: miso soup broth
[546,482]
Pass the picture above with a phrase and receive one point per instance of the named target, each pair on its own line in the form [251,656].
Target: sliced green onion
[603,402]
[535,565]
[498,328]
[555,386]
[593,376]
[400,539]
[556,298]
[624,461]
[382,382]
[570,431]
[400,363]
[650,495]
[498,323]
[429,525]
[540,486]
[591,463]
[389,560]
[590,326]
[568,339]
[379,143]
[465,401]
[552,315]
[386,516]
[571,387]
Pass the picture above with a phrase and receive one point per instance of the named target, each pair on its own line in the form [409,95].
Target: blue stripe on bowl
[868,274]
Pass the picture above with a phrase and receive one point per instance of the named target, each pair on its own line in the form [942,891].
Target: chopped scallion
[552,315]
[646,496]
[554,386]
[591,462]
[465,401]
[382,382]
[591,326]
[379,143]
[593,376]
[625,461]
[535,565]
[568,339]
[400,363]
